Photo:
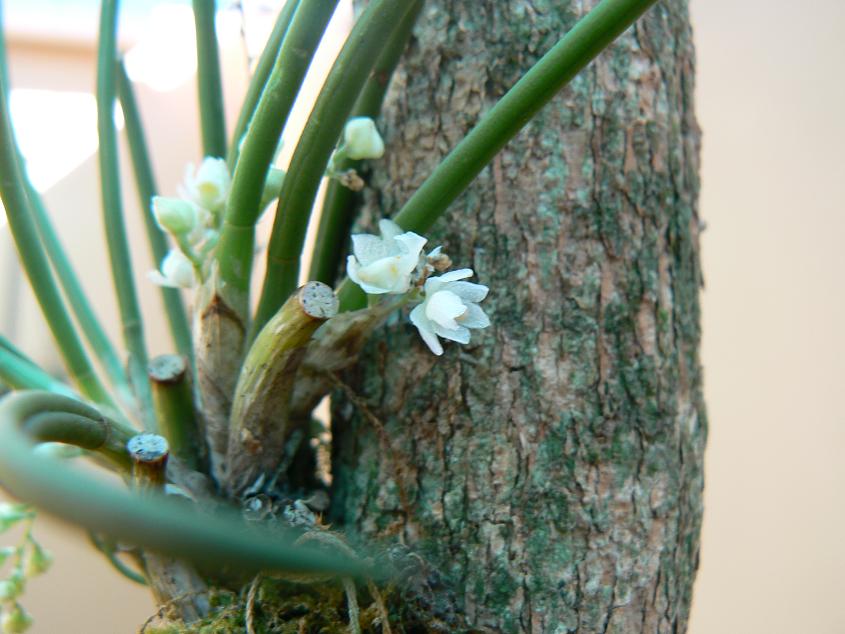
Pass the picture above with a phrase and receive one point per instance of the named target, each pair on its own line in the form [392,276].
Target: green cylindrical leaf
[145,184]
[118,245]
[212,115]
[343,85]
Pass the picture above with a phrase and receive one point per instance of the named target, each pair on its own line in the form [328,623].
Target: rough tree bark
[551,471]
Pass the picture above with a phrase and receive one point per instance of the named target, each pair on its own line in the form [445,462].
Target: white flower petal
[424,326]
[468,291]
[157,278]
[369,248]
[432,285]
[386,275]
[355,272]
[352,267]
[411,243]
[177,270]
[452,276]
[432,342]
[459,334]
[418,317]
[443,307]
[474,317]
[389,229]
[209,186]
[385,264]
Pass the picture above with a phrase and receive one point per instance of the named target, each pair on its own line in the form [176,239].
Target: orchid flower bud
[13,587]
[175,215]
[361,139]
[11,514]
[6,552]
[36,561]
[176,271]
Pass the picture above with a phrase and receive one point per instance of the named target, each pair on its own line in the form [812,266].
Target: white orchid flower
[175,215]
[384,264]
[176,271]
[450,309]
[208,186]
[361,139]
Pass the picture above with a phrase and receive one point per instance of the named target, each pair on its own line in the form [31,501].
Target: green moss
[282,607]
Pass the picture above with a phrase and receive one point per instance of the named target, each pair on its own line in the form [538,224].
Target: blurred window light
[56,131]
[164,57]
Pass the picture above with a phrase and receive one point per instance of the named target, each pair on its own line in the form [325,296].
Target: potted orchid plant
[221,503]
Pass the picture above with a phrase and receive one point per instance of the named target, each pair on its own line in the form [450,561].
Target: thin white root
[381,607]
[250,604]
[352,606]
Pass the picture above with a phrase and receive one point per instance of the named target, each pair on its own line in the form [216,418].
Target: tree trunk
[550,471]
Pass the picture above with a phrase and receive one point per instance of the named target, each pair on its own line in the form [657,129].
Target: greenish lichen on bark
[551,470]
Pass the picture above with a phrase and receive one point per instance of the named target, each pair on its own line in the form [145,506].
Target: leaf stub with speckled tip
[148,447]
[318,300]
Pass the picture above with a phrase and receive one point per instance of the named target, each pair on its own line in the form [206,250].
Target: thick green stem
[151,522]
[146,186]
[338,206]
[121,264]
[262,72]
[589,37]
[343,85]
[56,418]
[260,420]
[174,406]
[235,251]
[212,115]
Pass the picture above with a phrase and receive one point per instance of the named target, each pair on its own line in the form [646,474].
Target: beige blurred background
[771,100]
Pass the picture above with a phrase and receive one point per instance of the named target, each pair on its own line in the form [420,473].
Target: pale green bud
[6,552]
[176,271]
[361,139]
[174,215]
[11,514]
[15,620]
[12,588]
[37,560]
[272,186]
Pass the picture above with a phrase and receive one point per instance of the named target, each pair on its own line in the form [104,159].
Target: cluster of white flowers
[394,263]
[194,218]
